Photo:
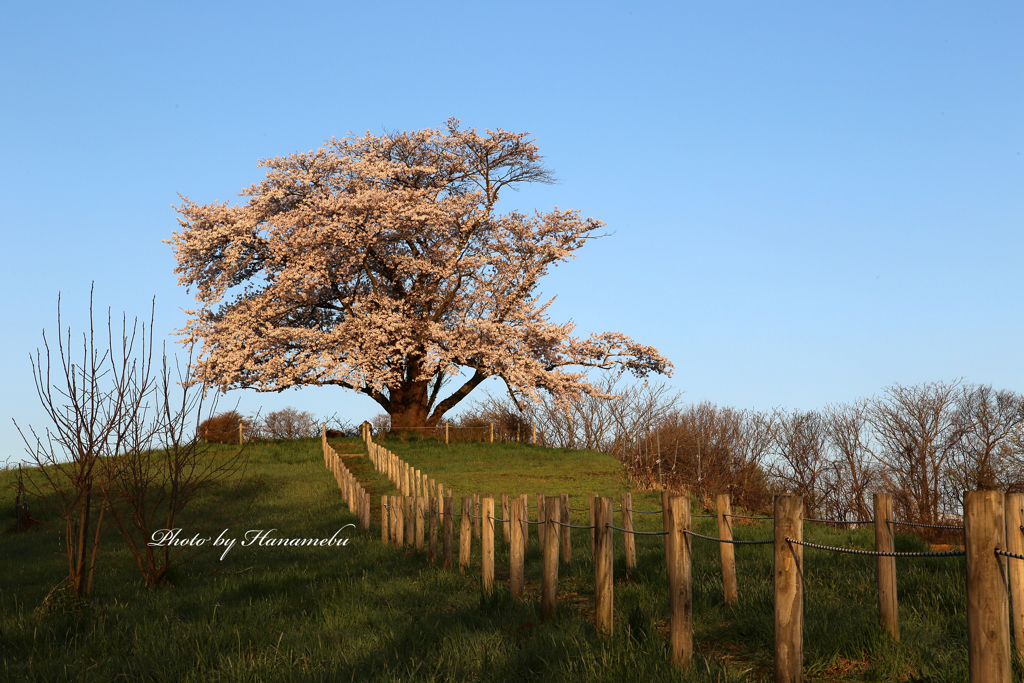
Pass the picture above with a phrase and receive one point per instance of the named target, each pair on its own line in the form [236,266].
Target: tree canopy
[380,264]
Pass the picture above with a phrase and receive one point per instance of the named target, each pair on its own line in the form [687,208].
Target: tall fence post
[603,579]
[888,605]
[789,589]
[1015,544]
[410,521]
[448,513]
[526,515]
[988,621]
[542,528]
[446,433]
[550,536]
[398,516]
[628,539]
[384,536]
[517,544]
[680,584]
[465,533]
[506,526]
[723,507]
[477,516]
[492,432]
[420,519]
[432,546]
[566,535]
[487,545]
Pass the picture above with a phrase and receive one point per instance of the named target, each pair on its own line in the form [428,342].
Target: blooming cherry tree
[380,264]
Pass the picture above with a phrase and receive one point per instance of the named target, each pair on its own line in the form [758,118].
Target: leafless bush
[381,423]
[89,404]
[289,423]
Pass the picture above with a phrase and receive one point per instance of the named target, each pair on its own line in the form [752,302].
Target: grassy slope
[370,612]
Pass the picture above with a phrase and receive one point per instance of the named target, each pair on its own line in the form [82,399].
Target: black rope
[644,512]
[498,519]
[839,521]
[723,540]
[638,533]
[747,517]
[1007,553]
[876,553]
[929,526]
[708,516]
[577,509]
[573,526]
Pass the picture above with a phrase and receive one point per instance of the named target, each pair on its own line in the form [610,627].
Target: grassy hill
[366,611]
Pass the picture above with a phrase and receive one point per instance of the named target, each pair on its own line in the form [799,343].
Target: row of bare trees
[120,451]
[925,443]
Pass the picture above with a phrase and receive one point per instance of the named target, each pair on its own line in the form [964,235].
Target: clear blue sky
[809,201]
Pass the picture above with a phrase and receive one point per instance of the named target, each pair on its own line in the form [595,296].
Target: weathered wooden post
[988,620]
[420,519]
[535,433]
[240,432]
[398,520]
[789,589]
[888,606]
[446,433]
[526,527]
[603,579]
[410,521]
[566,536]
[384,536]
[541,519]
[629,541]
[487,545]
[505,525]
[680,581]
[549,585]
[1015,544]
[492,432]
[723,507]
[435,509]
[449,512]
[465,533]
[476,516]
[517,545]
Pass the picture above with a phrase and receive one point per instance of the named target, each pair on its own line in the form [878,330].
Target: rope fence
[989,516]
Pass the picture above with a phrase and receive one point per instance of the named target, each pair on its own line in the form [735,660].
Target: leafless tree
[90,404]
[916,434]
[801,463]
[290,423]
[984,458]
[854,474]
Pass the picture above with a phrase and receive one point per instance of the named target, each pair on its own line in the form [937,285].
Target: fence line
[994,556]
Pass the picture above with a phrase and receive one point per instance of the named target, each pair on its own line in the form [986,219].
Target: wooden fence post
[410,521]
[446,433]
[384,536]
[432,547]
[465,533]
[628,540]
[1015,544]
[487,545]
[398,521]
[535,433]
[517,545]
[526,527]
[505,525]
[988,622]
[549,586]
[789,589]
[492,432]
[603,579]
[723,505]
[420,519]
[447,514]
[541,519]
[477,516]
[566,535]
[888,606]
[680,583]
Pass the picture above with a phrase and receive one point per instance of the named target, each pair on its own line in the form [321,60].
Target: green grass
[369,612]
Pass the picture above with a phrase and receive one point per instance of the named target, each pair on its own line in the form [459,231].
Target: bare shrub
[89,404]
[221,428]
[381,423]
[289,423]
